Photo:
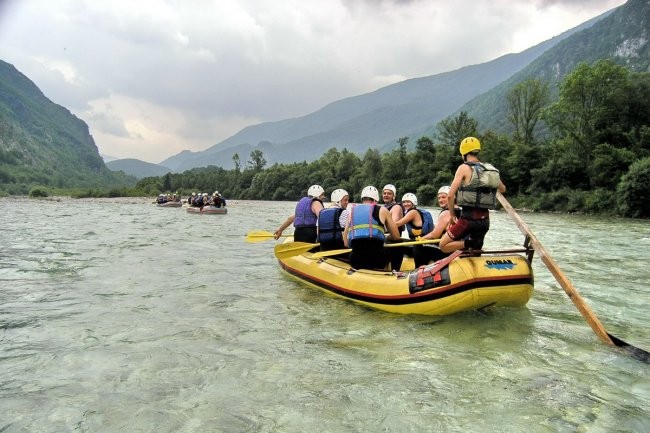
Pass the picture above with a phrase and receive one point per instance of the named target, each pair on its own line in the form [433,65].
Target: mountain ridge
[375,119]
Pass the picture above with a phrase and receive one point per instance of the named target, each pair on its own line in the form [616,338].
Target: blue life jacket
[304,216]
[329,227]
[365,224]
[427,224]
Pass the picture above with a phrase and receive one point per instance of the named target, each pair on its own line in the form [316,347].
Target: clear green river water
[119,316]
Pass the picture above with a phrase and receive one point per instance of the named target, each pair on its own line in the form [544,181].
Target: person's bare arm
[441,226]
[406,219]
[387,220]
[284,225]
[461,173]
[345,234]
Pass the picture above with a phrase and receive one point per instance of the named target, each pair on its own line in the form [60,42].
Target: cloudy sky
[155,77]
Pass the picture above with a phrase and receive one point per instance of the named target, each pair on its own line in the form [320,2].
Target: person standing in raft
[332,221]
[364,232]
[474,189]
[305,217]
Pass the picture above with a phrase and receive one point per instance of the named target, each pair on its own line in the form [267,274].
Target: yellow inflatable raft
[458,283]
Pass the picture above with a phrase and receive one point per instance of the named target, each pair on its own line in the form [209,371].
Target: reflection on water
[116,315]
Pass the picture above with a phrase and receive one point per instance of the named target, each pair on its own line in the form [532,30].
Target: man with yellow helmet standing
[474,189]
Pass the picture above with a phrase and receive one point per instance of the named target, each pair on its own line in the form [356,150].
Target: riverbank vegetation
[584,147]
[587,151]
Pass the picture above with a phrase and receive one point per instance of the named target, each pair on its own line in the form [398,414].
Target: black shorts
[305,234]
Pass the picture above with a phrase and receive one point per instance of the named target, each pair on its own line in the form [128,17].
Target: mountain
[621,36]
[372,120]
[42,143]
[137,168]
[107,158]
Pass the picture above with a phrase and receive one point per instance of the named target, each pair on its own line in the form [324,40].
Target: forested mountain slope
[621,36]
[42,142]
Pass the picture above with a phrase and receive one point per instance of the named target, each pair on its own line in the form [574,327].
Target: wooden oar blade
[290,249]
[571,291]
[635,352]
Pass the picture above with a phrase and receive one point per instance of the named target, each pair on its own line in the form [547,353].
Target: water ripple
[120,316]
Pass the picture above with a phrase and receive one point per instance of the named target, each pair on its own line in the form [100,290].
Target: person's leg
[453,239]
[477,230]
[425,254]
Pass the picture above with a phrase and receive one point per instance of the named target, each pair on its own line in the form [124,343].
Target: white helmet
[205,194]
[390,187]
[193,193]
[315,191]
[444,189]
[338,194]
[370,192]
[409,196]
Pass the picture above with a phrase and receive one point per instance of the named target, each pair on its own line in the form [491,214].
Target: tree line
[581,147]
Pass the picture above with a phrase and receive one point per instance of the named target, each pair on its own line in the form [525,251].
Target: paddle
[409,243]
[331,253]
[571,291]
[261,235]
[290,249]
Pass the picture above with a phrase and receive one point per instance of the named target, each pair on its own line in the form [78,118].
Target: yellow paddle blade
[409,243]
[261,236]
[290,249]
[330,253]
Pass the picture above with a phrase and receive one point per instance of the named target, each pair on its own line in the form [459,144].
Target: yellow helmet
[469,144]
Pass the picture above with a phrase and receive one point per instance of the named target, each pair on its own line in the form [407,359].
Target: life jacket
[365,223]
[304,216]
[329,227]
[481,192]
[427,224]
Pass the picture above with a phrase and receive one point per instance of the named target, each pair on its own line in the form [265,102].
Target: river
[119,316]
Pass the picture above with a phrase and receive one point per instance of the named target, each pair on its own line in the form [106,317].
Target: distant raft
[208,210]
[170,204]
[462,283]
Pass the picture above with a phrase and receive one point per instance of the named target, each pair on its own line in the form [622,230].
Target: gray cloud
[194,73]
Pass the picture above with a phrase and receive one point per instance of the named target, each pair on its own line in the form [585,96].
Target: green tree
[634,199]
[167,183]
[257,161]
[609,163]
[526,101]
[237,162]
[587,100]
[452,130]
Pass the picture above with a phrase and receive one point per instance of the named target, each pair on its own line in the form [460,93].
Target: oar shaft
[409,243]
[546,258]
